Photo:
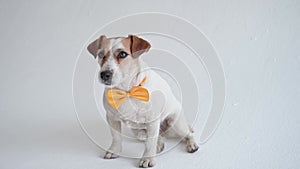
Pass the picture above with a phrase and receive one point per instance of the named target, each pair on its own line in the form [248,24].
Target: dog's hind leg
[183,130]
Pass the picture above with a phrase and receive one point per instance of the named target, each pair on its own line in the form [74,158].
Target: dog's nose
[106,75]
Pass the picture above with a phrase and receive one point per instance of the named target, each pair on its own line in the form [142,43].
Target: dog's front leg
[116,145]
[150,144]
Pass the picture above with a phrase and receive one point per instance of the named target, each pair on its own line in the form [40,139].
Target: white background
[258,43]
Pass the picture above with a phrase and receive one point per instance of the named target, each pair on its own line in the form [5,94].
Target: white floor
[258,43]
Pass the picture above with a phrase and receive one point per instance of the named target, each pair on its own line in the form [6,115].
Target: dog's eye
[122,55]
[101,54]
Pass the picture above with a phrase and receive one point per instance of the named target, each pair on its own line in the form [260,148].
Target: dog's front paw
[146,162]
[110,155]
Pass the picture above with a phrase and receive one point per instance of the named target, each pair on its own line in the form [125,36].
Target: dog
[129,98]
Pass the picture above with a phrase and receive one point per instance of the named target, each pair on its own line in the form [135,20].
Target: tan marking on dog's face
[105,57]
[103,52]
[125,48]
[126,43]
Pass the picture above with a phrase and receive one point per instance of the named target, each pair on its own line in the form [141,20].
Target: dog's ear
[94,47]
[138,46]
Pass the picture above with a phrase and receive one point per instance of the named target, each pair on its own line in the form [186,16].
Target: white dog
[138,97]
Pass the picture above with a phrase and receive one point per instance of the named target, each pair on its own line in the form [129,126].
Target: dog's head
[117,57]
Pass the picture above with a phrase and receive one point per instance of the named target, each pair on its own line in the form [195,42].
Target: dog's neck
[134,76]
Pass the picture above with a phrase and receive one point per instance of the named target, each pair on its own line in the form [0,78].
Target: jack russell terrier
[132,97]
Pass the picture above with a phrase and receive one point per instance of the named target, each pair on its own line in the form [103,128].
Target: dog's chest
[134,113]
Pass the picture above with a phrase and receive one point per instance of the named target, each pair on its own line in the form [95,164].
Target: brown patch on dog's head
[95,47]
[126,42]
[137,45]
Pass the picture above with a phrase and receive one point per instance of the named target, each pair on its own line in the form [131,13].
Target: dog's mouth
[106,83]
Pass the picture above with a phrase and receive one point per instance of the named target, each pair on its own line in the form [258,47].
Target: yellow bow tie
[117,97]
